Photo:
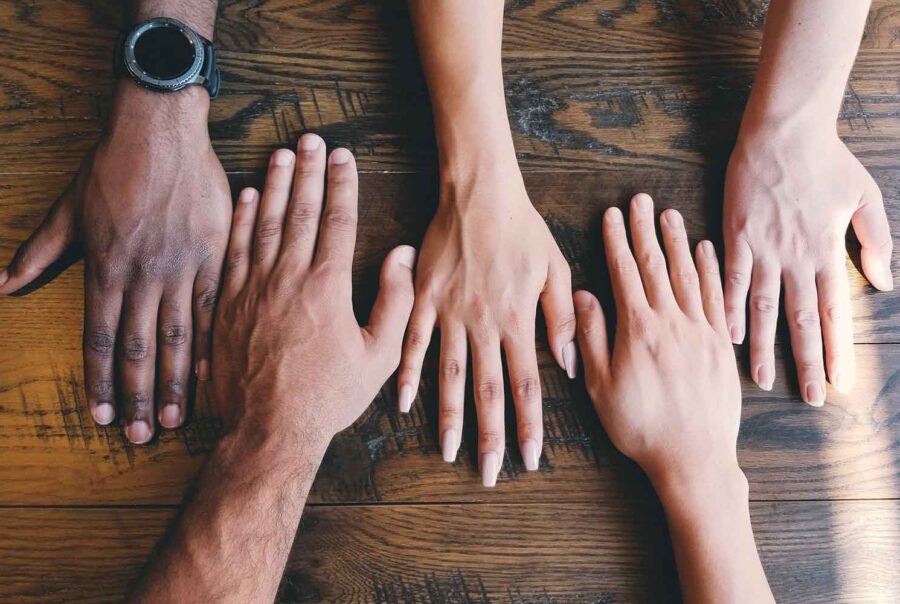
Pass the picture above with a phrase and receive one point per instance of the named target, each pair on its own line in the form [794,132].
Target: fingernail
[170,417]
[138,432]
[737,334]
[531,455]
[613,215]
[569,361]
[203,370]
[489,469]
[104,414]
[406,256]
[283,157]
[642,202]
[406,398]
[310,142]
[707,248]
[4,277]
[888,279]
[840,382]
[449,445]
[341,156]
[248,195]
[673,217]
[815,394]
[765,376]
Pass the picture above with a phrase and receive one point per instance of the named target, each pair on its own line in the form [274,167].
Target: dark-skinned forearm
[233,540]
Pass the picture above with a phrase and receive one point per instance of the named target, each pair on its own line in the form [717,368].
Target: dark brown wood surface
[606,98]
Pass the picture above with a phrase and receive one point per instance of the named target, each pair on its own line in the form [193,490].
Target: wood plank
[54,453]
[589,84]
[843,551]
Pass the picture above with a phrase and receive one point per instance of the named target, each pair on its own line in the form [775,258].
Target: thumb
[390,314]
[874,233]
[46,245]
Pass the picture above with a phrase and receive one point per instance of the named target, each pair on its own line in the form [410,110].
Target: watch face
[164,52]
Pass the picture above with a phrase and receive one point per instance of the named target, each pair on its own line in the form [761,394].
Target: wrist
[269,449]
[184,111]
[765,118]
[692,490]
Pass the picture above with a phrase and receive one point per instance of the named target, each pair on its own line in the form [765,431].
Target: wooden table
[606,98]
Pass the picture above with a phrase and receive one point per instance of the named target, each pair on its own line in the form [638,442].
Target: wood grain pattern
[828,552]
[606,98]
[603,84]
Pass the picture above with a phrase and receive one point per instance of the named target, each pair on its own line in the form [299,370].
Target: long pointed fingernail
[138,432]
[815,394]
[104,414]
[170,416]
[765,376]
[841,382]
[203,370]
[406,397]
[737,334]
[531,455]
[449,445]
[4,277]
[490,467]
[569,360]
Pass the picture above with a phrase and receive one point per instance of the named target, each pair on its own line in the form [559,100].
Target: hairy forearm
[709,521]
[809,47]
[233,540]
[460,45]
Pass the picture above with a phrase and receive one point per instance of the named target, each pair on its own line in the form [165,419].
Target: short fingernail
[203,370]
[765,376]
[531,455]
[449,445]
[138,432]
[310,142]
[840,382]
[406,397]
[406,256]
[642,202]
[815,394]
[170,416]
[570,362]
[341,156]
[490,467]
[248,195]
[707,248]
[737,334]
[104,414]
[283,157]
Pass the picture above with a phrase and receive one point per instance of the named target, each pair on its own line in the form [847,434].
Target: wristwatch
[166,55]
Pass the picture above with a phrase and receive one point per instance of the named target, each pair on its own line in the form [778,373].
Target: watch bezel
[177,83]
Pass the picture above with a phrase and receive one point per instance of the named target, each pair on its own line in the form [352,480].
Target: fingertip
[404,255]
[309,142]
[877,271]
[673,218]
[642,202]
[104,414]
[341,156]
[248,195]
[613,215]
[171,416]
[202,370]
[585,301]
[706,249]
[283,157]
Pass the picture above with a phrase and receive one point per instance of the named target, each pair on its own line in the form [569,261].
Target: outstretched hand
[151,208]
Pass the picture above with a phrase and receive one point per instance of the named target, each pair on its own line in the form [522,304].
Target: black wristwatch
[166,55]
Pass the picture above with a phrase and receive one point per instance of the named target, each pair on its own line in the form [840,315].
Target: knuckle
[764,304]
[833,311]
[100,341]
[174,334]
[736,278]
[527,388]
[417,340]
[686,276]
[340,219]
[624,265]
[566,324]
[490,391]
[206,298]
[100,390]
[236,259]
[637,323]
[174,391]
[449,415]
[136,347]
[139,404]
[268,229]
[806,320]
[451,369]
[652,261]
[490,440]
